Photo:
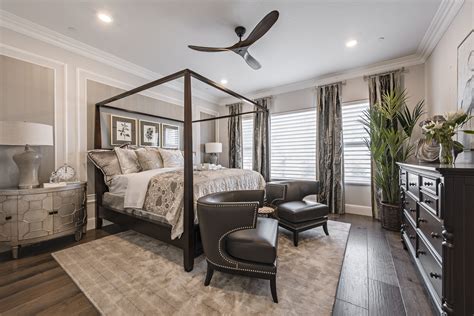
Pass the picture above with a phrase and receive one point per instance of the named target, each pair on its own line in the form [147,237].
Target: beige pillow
[128,160]
[149,158]
[172,158]
[106,161]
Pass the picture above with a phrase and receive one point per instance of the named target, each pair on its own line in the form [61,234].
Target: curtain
[235,136]
[330,150]
[261,144]
[378,86]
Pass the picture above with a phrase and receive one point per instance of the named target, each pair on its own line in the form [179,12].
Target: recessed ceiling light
[224,81]
[351,43]
[105,17]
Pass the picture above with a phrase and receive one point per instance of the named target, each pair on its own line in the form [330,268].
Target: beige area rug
[133,274]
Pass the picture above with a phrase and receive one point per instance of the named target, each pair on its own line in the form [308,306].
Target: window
[293,145]
[247,139]
[356,153]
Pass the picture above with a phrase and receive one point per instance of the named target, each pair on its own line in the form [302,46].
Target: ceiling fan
[242,46]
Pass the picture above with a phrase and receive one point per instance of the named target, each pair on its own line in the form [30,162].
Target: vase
[446,153]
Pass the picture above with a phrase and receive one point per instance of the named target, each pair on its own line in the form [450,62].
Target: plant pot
[390,216]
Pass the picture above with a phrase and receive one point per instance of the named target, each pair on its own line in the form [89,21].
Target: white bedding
[133,186]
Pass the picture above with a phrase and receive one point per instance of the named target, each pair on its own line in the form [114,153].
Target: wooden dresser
[33,215]
[438,231]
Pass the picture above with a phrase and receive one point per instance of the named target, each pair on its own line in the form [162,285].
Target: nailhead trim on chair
[233,230]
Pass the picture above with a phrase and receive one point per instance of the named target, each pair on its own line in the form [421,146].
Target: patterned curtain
[235,136]
[261,155]
[378,86]
[330,150]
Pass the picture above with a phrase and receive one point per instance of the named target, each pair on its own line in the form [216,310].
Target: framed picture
[466,85]
[150,133]
[123,130]
[170,137]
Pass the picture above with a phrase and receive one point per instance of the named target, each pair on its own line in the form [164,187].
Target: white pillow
[172,158]
[128,160]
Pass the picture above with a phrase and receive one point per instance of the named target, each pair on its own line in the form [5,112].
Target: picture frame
[170,136]
[150,133]
[123,130]
[465,85]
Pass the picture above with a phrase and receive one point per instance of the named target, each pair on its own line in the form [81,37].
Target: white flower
[438,125]
[453,116]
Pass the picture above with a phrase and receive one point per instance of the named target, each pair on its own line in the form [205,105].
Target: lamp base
[213,158]
[28,163]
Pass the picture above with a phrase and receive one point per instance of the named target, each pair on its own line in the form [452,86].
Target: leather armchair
[235,239]
[292,211]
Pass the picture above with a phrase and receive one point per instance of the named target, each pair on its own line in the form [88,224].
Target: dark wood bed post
[99,184]
[189,234]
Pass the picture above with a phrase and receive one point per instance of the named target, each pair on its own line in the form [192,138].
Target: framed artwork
[123,130]
[466,85]
[150,133]
[170,137]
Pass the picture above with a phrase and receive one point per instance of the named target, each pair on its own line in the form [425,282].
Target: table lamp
[213,149]
[26,134]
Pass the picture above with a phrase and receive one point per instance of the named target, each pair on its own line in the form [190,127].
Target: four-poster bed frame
[189,242]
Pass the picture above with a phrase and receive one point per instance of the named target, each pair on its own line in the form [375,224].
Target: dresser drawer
[431,227]
[430,185]
[409,230]
[413,184]
[430,202]
[431,267]
[409,205]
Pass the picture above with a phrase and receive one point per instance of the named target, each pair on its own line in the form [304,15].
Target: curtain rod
[401,70]
[342,83]
[227,116]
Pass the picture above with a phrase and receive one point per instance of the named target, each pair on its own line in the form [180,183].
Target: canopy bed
[185,236]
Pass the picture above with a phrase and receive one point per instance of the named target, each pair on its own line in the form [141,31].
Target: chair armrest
[217,220]
[275,193]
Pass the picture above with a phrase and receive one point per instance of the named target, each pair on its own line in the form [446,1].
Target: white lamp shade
[213,148]
[25,133]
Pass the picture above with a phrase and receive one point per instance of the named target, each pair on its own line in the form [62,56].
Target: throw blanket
[165,191]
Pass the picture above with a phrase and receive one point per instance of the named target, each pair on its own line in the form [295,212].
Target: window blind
[247,139]
[293,145]
[356,154]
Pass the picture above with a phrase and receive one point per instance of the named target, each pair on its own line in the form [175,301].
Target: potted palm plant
[390,124]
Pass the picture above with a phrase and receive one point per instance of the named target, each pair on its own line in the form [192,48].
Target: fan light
[351,43]
[105,17]
[224,81]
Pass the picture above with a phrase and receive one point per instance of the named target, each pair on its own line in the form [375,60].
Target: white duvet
[134,186]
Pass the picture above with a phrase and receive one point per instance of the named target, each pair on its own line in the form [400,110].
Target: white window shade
[293,145]
[247,139]
[356,154]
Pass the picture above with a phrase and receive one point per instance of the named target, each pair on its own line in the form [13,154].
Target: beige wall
[26,94]
[441,66]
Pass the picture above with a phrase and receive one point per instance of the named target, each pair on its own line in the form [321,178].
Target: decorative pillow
[128,160]
[149,158]
[172,158]
[106,161]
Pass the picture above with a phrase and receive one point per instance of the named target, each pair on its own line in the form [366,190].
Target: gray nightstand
[32,215]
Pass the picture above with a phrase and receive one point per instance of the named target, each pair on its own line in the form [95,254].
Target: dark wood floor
[375,269]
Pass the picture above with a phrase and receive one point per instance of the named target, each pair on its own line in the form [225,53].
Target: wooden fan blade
[262,27]
[208,49]
[252,62]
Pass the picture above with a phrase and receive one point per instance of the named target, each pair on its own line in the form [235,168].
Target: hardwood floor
[375,268]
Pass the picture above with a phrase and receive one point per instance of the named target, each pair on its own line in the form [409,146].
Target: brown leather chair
[292,211]
[235,239]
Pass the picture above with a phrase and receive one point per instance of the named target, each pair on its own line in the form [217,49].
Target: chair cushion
[257,245]
[302,211]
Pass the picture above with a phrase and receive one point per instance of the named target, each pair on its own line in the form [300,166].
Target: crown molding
[406,61]
[444,16]
[44,34]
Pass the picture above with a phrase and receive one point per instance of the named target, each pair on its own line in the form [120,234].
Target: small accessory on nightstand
[213,149]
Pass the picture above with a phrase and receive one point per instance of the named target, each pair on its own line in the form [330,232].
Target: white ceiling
[307,41]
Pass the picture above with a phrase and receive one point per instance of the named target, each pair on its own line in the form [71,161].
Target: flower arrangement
[442,131]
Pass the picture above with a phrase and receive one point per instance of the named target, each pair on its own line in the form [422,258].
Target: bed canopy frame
[189,242]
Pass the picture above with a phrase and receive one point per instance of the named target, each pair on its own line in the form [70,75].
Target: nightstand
[29,216]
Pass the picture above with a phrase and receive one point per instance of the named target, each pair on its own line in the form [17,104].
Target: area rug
[133,274]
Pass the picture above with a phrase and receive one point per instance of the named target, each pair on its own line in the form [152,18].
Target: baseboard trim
[358,209]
